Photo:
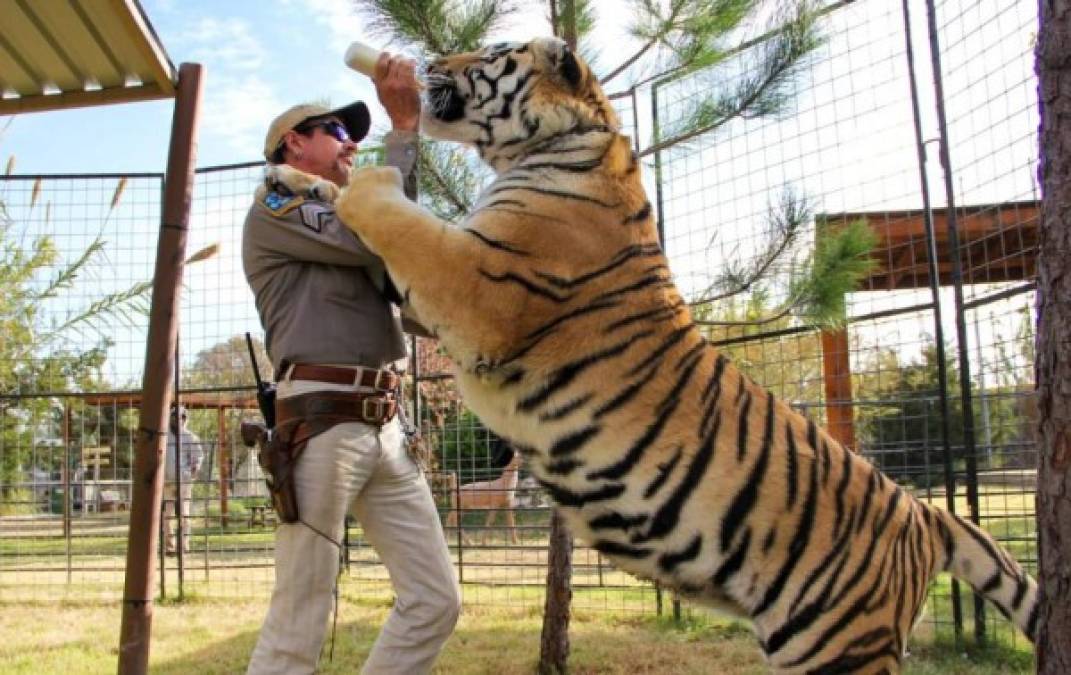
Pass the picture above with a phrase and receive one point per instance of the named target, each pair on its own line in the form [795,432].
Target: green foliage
[583,19]
[901,423]
[814,287]
[790,366]
[465,444]
[38,354]
[449,179]
[902,428]
[18,502]
[760,88]
[580,21]
[226,364]
[742,272]
[841,259]
[437,26]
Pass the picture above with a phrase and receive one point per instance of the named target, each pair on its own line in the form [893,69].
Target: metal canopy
[57,54]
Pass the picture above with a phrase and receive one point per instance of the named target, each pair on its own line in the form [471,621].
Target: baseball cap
[354,116]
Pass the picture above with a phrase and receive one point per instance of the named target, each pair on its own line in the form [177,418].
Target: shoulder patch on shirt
[314,215]
[280,205]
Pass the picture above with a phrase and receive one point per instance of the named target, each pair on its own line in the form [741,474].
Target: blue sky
[260,57]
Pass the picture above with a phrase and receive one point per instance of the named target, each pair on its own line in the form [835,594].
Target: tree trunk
[554,647]
[1054,339]
[568,17]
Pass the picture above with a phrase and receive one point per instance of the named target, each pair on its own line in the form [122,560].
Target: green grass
[213,636]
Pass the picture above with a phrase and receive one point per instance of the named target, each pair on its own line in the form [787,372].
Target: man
[184,444]
[331,334]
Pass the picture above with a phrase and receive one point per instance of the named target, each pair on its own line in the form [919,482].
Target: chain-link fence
[930,376]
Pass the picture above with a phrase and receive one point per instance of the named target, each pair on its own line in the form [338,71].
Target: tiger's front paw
[324,191]
[298,182]
[373,196]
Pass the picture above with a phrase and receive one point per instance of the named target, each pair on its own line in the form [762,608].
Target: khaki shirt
[319,291]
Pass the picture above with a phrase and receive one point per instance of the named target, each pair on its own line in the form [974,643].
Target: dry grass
[212,636]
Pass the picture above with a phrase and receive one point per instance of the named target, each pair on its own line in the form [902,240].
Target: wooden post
[67,486]
[148,478]
[554,642]
[837,378]
[224,465]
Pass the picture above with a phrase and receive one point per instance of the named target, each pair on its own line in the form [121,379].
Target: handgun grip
[252,433]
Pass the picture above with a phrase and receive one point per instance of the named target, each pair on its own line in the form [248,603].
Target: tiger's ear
[563,61]
[569,67]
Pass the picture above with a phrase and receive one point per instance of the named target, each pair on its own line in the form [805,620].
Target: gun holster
[277,457]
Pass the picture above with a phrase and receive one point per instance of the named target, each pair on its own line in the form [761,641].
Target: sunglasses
[331,127]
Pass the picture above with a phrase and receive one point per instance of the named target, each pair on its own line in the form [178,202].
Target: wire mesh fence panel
[848,152]
[76,261]
[990,104]
[885,379]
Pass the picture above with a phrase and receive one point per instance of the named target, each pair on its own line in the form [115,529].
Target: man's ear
[294,142]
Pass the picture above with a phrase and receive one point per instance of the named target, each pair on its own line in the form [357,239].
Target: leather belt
[370,378]
[375,409]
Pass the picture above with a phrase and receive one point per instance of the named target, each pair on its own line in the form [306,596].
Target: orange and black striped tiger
[555,300]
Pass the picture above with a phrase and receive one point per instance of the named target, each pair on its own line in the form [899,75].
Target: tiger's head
[507,98]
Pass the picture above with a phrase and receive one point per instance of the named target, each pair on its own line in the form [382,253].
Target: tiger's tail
[973,556]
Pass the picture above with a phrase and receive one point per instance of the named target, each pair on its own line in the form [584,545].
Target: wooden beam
[145,41]
[82,99]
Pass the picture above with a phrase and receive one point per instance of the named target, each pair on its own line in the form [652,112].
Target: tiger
[556,303]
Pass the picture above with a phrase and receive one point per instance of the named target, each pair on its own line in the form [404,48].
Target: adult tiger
[555,300]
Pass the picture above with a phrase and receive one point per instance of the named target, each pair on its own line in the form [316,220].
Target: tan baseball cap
[354,116]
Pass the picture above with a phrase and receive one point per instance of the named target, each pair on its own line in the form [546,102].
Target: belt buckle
[386,375]
[372,409]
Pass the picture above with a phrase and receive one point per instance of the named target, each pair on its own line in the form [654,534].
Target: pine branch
[628,62]
[66,277]
[840,261]
[113,305]
[816,294]
[761,95]
[785,223]
[449,182]
[437,26]
[652,35]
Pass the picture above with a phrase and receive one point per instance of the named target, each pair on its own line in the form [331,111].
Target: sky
[260,57]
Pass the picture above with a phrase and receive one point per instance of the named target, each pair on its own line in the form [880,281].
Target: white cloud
[341,21]
[238,102]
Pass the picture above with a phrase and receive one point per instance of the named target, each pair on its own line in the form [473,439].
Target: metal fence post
[933,270]
[957,288]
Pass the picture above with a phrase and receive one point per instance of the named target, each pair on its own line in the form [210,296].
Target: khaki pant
[357,469]
[171,491]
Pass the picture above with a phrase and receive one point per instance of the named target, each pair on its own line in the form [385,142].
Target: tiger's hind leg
[856,635]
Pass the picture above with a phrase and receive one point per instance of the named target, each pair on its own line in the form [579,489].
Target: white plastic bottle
[362,58]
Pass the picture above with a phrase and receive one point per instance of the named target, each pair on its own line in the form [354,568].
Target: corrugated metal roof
[69,53]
